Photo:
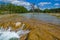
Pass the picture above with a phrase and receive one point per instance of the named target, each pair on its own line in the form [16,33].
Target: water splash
[8,34]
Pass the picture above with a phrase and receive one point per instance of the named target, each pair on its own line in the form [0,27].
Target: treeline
[54,10]
[10,8]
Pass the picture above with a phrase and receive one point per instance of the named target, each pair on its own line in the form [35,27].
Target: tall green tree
[13,8]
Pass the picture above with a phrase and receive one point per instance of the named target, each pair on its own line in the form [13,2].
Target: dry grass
[39,30]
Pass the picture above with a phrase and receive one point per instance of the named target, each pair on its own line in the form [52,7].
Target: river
[43,16]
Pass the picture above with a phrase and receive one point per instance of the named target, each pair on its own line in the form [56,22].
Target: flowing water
[12,35]
[44,17]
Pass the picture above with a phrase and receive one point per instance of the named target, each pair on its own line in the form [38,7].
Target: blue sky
[46,3]
[43,4]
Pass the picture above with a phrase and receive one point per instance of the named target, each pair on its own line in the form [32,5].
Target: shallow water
[44,17]
[12,35]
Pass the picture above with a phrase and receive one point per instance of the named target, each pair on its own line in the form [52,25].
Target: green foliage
[54,10]
[10,8]
[36,10]
[13,8]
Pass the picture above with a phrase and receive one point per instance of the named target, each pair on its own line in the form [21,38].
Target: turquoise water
[43,17]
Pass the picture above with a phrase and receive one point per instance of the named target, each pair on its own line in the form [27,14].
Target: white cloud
[19,3]
[35,6]
[44,3]
[56,4]
[22,3]
[28,7]
[8,0]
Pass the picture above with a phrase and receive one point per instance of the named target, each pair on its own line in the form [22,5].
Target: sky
[43,4]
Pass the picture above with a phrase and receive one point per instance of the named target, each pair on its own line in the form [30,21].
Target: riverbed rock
[39,30]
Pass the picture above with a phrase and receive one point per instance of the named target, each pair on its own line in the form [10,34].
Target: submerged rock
[11,35]
[38,30]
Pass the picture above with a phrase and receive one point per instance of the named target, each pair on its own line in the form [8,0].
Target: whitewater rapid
[8,34]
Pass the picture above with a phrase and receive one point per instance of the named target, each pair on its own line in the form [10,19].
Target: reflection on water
[44,17]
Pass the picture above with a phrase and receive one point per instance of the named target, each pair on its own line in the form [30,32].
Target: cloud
[57,4]
[8,0]
[18,2]
[44,3]
[21,3]
[35,6]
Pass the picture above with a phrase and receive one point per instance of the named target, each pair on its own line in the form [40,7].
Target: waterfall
[8,34]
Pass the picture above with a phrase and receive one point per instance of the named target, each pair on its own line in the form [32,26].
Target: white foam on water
[7,34]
